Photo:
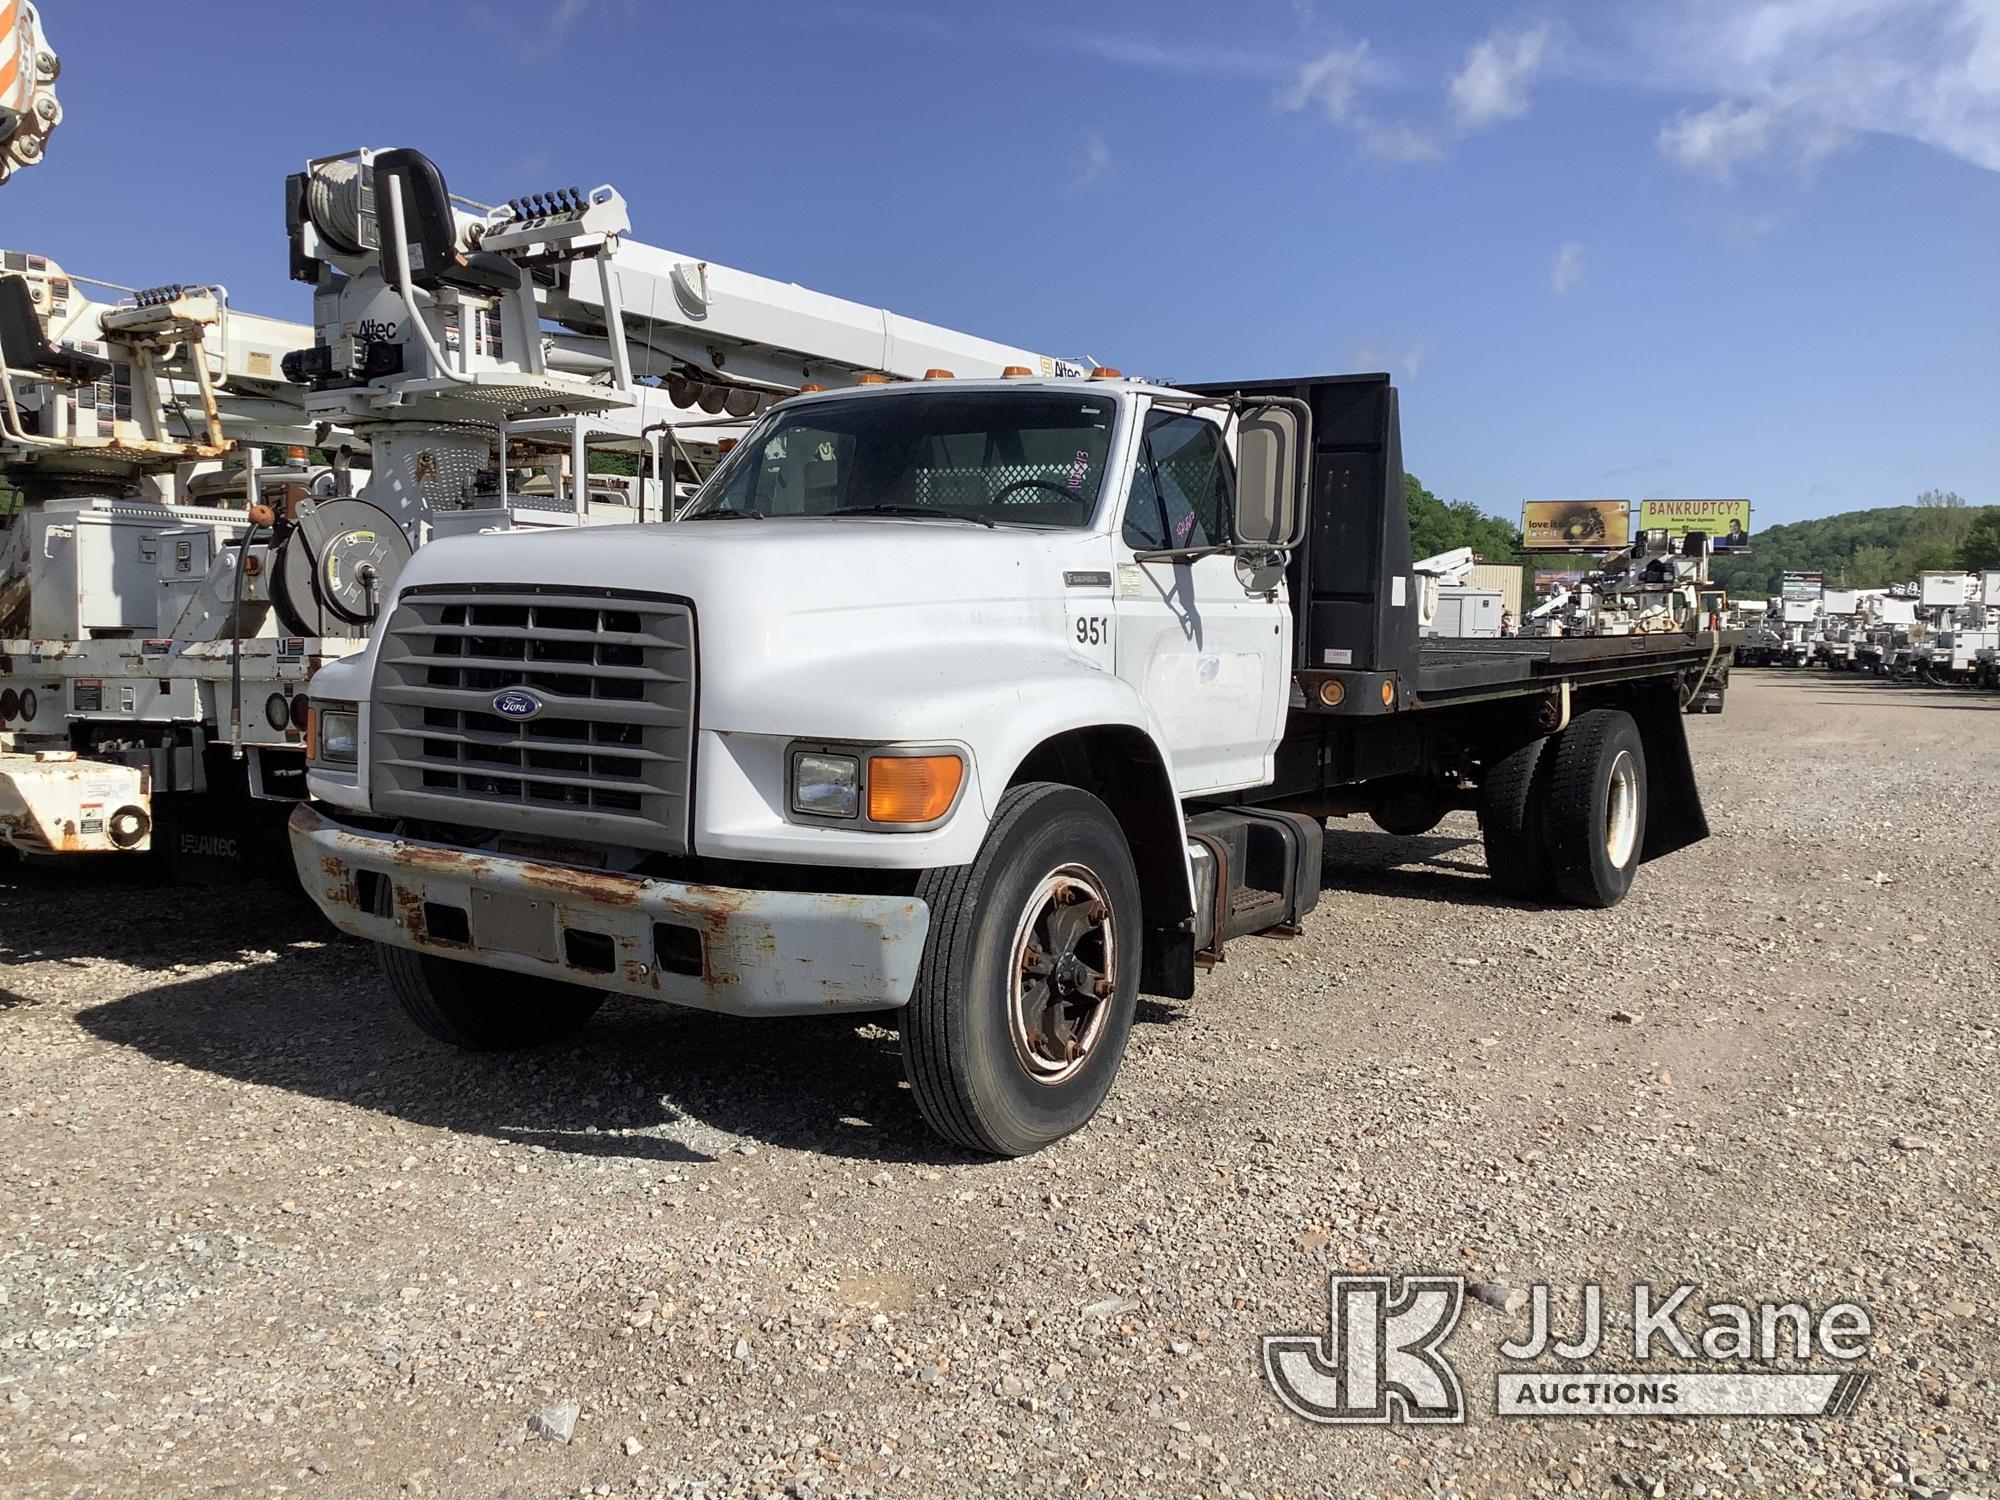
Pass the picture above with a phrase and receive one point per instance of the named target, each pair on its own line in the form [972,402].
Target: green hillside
[1867,548]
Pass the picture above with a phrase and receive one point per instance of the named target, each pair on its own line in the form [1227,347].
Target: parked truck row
[1942,629]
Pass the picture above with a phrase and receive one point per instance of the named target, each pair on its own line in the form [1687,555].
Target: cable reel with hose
[335,565]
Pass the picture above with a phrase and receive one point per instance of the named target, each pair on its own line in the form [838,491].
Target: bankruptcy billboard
[1575,525]
[1726,521]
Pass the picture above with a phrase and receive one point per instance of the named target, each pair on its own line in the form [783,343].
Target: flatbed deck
[1453,670]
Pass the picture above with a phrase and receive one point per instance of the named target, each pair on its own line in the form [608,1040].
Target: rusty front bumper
[743,952]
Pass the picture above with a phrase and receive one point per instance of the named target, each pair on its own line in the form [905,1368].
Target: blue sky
[1713,248]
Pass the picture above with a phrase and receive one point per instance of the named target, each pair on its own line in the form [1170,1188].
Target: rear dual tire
[1564,817]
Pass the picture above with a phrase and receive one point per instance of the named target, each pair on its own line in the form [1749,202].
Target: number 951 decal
[1090,638]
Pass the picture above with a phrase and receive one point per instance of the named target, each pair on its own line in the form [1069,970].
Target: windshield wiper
[950,513]
[734,515]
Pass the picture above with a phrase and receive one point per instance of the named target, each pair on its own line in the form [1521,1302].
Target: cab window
[1182,485]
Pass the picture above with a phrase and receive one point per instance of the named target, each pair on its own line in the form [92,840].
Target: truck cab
[988,702]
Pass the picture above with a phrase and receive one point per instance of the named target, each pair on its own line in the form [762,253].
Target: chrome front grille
[601,742]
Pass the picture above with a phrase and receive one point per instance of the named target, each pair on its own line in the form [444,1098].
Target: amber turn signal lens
[1388,694]
[912,788]
[1332,693]
[312,733]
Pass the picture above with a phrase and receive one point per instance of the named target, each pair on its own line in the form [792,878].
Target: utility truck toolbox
[991,704]
[54,803]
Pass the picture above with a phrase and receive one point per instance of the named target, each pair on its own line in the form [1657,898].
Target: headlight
[826,786]
[899,787]
[333,734]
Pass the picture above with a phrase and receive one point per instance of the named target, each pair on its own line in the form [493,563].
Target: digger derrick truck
[985,704]
[470,368]
[120,600]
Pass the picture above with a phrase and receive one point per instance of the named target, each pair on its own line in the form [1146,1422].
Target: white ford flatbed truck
[995,704]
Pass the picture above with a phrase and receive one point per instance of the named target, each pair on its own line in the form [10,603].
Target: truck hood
[791,611]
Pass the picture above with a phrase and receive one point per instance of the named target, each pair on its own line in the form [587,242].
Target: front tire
[1596,807]
[1030,975]
[477,1009]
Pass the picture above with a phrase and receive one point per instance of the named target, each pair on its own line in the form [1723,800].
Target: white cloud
[1401,142]
[1330,81]
[1716,139]
[1567,268]
[1493,84]
[1093,160]
[1409,364]
[1490,86]
[1787,81]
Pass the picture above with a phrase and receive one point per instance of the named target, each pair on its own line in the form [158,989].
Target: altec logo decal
[517,703]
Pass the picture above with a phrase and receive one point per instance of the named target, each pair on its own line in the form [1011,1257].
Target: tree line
[1869,549]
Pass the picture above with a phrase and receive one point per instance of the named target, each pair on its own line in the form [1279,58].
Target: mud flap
[1674,816]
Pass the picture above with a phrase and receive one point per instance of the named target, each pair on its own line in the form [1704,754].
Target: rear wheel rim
[1063,975]
[1621,810]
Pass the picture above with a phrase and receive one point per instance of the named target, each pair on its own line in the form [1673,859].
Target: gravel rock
[1110,1307]
[557,1422]
[855,1309]
[1508,1299]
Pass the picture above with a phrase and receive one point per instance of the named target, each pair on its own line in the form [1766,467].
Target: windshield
[1013,458]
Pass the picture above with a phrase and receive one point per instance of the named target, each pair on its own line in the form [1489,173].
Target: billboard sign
[1575,525]
[1801,587]
[1548,580]
[1727,522]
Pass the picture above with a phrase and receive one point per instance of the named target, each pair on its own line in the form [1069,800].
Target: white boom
[29,110]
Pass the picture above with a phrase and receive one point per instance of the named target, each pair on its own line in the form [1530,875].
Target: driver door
[1210,659]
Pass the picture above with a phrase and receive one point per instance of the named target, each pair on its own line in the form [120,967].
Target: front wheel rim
[1064,974]
[1621,810]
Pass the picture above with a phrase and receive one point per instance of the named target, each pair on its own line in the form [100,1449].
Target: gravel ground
[257,1236]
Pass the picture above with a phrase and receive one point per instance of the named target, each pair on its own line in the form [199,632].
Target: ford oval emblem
[517,703]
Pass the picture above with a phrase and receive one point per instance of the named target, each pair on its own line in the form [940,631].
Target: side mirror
[1272,442]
